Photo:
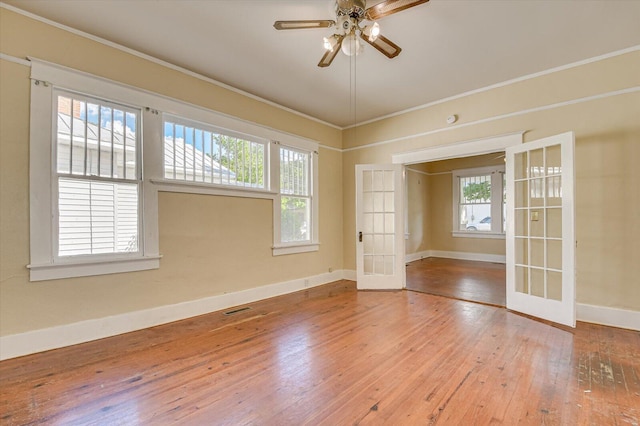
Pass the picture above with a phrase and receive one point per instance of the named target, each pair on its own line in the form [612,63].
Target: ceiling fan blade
[390,7]
[329,55]
[297,25]
[383,45]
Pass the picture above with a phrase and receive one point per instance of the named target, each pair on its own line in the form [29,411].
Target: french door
[540,229]
[379,227]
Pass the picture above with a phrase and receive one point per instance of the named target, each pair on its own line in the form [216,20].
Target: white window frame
[280,247]
[57,175]
[497,203]
[44,262]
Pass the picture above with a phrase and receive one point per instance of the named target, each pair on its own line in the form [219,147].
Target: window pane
[475,203]
[97,217]
[475,189]
[475,217]
[91,138]
[294,172]
[200,154]
[295,219]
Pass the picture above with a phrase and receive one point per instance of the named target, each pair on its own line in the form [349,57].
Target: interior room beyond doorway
[455,240]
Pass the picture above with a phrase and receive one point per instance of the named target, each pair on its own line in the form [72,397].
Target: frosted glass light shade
[351,45]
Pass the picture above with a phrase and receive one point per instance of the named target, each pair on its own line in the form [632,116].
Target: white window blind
[98,176]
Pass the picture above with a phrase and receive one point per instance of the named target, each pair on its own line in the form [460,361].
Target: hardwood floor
[332,355]
[482,282]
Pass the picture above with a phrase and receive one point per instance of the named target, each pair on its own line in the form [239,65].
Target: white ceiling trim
[162,63]
[502,84]
[15,60]
[502,116]
[635,89]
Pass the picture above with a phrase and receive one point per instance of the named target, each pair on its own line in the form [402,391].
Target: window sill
[478,234]
[54,271]
[293,249]
[168,185]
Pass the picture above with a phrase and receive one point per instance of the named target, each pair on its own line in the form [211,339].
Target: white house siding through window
[98,177]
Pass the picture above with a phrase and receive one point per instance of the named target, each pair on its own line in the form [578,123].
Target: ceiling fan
[354,19]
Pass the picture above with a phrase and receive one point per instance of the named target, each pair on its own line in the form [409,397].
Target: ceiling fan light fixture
[330,43]
[353,21]
[374,31]
[351,45]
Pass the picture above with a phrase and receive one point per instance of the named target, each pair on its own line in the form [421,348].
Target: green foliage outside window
[245,159]
[477,191]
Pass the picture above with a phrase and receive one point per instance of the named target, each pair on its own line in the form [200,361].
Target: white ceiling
[449,46]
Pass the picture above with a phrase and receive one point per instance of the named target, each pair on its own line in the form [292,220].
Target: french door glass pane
[538,222]
[378,222]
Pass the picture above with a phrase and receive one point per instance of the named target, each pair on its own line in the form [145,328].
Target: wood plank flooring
[482,282]
[334,356]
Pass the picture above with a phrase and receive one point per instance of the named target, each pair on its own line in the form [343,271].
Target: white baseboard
[16,345]
[349,274]
[480,257]
[412,257]
[614,317]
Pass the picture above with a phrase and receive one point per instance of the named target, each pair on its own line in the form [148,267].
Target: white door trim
[459,149]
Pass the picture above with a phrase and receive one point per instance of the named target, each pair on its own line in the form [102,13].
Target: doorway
[455,228]
[540,222]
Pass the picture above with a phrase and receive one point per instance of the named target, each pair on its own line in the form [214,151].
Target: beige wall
[600,102]
[418,214]
[210,244]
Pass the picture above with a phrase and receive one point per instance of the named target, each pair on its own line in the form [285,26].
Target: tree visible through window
[295,196]
[478,200]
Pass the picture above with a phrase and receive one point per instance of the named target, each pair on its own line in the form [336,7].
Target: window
[98,176]
[203,158]
[86,177]
[479,202]
[296,207]
[199,153]
[295,196]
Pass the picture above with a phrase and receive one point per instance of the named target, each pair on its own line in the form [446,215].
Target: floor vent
[237,311]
